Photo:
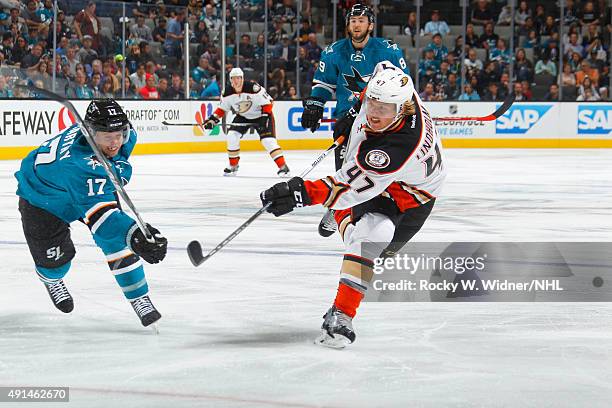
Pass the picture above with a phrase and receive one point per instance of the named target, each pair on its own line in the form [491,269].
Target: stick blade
[504,106]
[194,250]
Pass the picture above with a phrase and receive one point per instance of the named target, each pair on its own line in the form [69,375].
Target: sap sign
[294,120]
[594,119]
[520,118]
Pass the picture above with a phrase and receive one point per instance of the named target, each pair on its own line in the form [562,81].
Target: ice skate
[60,296]
[145,310]
[230,171]
[337,329]
[328,225]
[284,171]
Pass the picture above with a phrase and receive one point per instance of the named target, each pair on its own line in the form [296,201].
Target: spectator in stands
[276,32]
[151,68]
[522,13]
[452,89]
[435,25]
[138,78]
[471,39]
[140,30]
[440,51]
[149,91]
[305,31]
[469,94]
[5,91]
[285,51]
[539,19]
[500,54]
[80,90]
[175,35]
[594,60]
[33,57]
[259,47]
[176,91]
[428,66]
[159,32]
[6,48]
[532,41]
[490,74]
[62,46]
[42,75]
[574,61]
[504,81]
[65,76]
[518,92]
[212,21]
[586,71]
[573,45]
[212,90]
[546,66]
[145,51]
[586,85]
[454,64]
[523,68]
[130,90]
[197,32]
[428,93]
[286,10]
[87,23]
[133,58]
[488,39]
[588,95]
[313,50]
[529,25]
[567,76]
[552,94]
[410,29]
[459,46]
[87,54]
[72,59]
[492,93]
[505,16]
[32,17]
[201,74]
[108,74]
[291,94]
[441,77]
[588,14]
[247,51]
[107,89]
[549,26]
[473,65]
[162,88]
[18,22]
[96,67]
[527,90]
[482,14]
[96,84]
[64,30]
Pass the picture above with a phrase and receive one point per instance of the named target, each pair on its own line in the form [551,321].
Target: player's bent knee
[270,143]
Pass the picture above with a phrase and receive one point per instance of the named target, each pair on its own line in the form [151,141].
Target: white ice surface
[238,331]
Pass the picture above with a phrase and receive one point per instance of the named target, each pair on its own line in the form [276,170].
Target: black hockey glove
[285,196]
[345,122]
[152,252]
[313,112]
[211,122]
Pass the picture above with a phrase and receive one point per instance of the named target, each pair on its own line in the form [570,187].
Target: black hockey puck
[598,281]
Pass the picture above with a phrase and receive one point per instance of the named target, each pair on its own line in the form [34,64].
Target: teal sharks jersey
[64,177]
[344,71]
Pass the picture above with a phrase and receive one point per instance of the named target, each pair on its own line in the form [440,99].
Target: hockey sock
[354,277]
[234,157]
[51,275]
[277,156]
[129,273]
[348,299]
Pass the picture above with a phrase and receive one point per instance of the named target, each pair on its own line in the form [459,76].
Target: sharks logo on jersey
[355,83]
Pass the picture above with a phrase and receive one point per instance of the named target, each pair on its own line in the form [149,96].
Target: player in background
[62,181]
[344,71]
[383,193]
[252,105]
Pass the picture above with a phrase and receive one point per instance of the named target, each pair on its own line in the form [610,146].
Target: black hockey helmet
[105,115]
[360,10]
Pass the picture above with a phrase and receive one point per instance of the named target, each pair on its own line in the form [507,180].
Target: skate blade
[229,174]
[337,342]
[285,175]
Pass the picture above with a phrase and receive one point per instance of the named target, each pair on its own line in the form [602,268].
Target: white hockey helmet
[236,72]
[389,87]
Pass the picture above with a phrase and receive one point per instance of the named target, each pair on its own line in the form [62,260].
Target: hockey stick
[200,124]
[194,249]
[101,158]
[499,112]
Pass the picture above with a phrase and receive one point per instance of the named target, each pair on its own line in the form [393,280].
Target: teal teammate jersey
[64,177]
[345,71]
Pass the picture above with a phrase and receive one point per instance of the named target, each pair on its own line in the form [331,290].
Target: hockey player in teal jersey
[62,181]
[344,70]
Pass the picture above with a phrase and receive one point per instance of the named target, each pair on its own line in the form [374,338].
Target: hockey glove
[345,122]
[152,252]
[263,121]
[313,112]
[211,122]
[285,196]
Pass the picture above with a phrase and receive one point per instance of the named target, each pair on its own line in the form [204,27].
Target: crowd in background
[90,59]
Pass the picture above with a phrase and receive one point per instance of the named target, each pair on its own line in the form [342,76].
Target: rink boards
[27,123]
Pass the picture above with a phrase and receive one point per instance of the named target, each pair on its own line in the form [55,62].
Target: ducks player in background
[344,71]
[62,181]
[383,193]
[252,105]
